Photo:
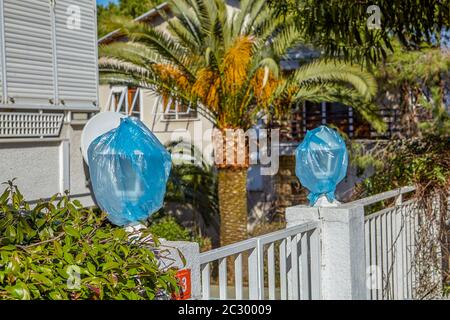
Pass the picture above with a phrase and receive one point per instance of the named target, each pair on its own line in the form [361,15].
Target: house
[48,90]
[171,121]
[168,120]
[268,195]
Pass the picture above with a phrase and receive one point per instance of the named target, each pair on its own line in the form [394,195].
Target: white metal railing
[297,265]
[390,236]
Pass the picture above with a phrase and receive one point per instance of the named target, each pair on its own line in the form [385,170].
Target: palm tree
[193,181]
[228,61]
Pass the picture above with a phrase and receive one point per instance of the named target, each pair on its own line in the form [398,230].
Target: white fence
[390,236]
[294,273]
[394,251]
[342,252]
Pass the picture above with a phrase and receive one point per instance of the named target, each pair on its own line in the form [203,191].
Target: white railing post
[343,272]
[260,250]
[253,278]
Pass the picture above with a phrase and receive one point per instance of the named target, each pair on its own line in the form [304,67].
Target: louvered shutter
[29,52]
[1,53]
[76,47]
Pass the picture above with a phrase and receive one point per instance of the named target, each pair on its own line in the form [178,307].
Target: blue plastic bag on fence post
[129,169]
[321,163]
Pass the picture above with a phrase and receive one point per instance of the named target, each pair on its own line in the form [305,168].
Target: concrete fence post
[190,253]
[343,271]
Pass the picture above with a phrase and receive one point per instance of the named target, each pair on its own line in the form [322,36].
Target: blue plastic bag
[129,170]
[321,163]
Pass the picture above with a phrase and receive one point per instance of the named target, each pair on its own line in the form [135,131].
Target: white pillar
[184,255]
[343,272]
[64,166]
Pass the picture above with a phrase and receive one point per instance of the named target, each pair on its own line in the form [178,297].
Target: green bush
[60,250]
[168,228]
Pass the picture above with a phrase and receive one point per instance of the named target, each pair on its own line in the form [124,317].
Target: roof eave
[142,17]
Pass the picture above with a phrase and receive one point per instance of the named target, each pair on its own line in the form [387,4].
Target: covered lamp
[129,170]
[321,163]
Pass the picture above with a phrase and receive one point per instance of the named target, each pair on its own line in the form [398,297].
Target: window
[126,100]
[341,116]
[134,100]
[116,100]
[174,109]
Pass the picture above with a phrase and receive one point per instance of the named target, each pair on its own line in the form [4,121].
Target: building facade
[267,195]
[48,90]
[171,121]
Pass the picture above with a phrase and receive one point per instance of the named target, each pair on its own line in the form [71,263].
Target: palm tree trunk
[232,204]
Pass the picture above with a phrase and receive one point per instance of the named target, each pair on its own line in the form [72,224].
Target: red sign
[184,282]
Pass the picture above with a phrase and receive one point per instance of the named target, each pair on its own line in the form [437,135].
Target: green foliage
[42,248]
[414,83]
[168,228]
[421,158]
[362,160]
[125,8]
[423,162]
[104,16]
[135,8]
[340,26]
[193,182]
[358,157]
[230,63]
[422,66]
[439,124]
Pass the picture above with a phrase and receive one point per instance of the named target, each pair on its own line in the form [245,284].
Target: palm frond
[337,71]
[288,38]
[229,61]
[186,34]
[332,92]
[258,7]
[163,44]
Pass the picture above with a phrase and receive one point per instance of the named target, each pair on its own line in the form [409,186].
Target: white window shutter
[76,47]
[29,52]
[1,52]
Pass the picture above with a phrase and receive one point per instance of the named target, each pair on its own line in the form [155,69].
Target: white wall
[35,165]
[40,168]
[196,131]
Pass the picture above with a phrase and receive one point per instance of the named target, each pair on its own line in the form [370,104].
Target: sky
[105,1]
